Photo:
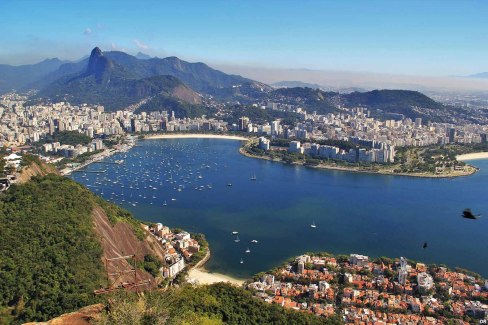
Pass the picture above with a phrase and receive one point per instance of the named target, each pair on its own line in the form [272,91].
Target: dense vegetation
[215,304]
[182,109]
[72,138]
[119,91]
[382,103]
[50,256]
[312,99]
[260,116]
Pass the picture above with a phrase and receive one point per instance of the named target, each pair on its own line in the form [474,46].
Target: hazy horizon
[424,38]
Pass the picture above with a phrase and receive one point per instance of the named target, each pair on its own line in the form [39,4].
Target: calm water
[355,213]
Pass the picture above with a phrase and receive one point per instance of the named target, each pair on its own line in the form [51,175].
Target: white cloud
[87,31]
[115,47]
[141,45]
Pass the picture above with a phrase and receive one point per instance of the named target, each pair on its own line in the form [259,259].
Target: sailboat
[165,204]
[242,261]
[253,177]
[248,250]
[313,225]
[237,239]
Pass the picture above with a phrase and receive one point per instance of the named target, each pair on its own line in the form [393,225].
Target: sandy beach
[202,276]
[473,156]
[195,136]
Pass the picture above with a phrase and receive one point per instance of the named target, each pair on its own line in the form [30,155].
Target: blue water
[374,215]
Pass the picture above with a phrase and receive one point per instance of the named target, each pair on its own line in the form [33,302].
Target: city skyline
[416,38]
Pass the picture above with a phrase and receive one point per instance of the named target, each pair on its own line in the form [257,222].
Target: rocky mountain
[114,82]
[197,76]
[20,77]
[117,80]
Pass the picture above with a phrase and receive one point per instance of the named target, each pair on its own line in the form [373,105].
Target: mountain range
[118,80]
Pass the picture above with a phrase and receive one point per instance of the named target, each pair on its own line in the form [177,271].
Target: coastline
[473,156]
[102,155]
[199,275]
[355,170]
[195,136]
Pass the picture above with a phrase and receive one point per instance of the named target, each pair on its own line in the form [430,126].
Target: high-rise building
[402,274]
[452,135]
[243,122]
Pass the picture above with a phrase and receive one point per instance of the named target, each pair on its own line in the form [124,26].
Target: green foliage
[261,116]
[50,255]
[391,101]
[151,264]
[311,99]
[215,304]
[182,109]
[124,88]
[72,138]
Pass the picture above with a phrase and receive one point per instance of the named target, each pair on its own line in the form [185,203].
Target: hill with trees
[52,244]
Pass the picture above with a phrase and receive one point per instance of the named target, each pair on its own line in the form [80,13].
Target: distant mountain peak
[98,65]
[143,56]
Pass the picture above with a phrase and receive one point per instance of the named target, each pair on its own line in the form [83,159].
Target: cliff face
[119,240]
[85,316]
[36,169]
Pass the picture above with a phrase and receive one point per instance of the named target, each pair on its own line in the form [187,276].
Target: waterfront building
[358,260]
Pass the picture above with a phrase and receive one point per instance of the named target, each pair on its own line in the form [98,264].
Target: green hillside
[50,255]
[219,303]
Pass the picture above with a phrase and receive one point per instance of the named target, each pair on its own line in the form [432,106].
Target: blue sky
[399,37]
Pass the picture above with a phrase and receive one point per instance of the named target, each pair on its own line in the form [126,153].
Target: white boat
[242,261]
[254,241]
[237,239]
[235,232]
[173,199]
[253,177]
[313,225]
[248,250]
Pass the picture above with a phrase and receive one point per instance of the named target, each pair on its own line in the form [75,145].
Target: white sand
[195,136]
[473,156]
[202,276]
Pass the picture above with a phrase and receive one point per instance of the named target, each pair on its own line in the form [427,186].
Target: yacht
[254,241]
[248,250]
[165,204]
[313,225]
[237,239]
[242,261]
[253,177]
[235,232]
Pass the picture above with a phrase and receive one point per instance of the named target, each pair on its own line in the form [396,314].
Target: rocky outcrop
[85,316]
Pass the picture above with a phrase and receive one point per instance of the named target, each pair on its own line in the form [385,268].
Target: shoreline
[102,155]
[354,170]
[201,276]
[195,136]
[472,156]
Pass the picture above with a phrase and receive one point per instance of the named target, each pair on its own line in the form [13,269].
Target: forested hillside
[50,253]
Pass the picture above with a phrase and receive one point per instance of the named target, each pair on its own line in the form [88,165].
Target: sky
[427,38]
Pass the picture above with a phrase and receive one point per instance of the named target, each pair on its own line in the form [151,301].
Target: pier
[89,171]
